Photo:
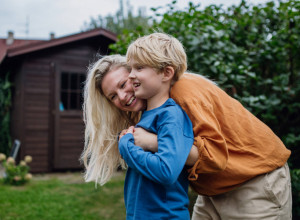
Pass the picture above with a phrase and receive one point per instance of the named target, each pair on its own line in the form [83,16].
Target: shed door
[68,121]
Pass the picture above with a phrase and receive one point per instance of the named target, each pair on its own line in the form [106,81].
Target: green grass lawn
[58,198]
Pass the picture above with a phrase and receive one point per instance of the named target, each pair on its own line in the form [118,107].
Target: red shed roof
[16,43]
[20,47]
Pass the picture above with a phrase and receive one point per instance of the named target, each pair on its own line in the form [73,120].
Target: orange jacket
[234,146]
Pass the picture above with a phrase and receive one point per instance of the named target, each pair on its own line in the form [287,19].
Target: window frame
[71,90]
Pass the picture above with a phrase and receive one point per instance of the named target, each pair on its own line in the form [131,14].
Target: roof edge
[59,41]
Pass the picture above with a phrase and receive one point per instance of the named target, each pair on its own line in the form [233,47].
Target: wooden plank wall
[36,111]
[17,104]
[71,141]
[70,125]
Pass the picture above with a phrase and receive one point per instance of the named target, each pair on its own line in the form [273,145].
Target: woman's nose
[122,95]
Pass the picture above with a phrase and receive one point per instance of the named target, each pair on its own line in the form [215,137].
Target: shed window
[71,88]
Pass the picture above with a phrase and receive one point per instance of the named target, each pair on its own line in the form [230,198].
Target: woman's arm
[193,156]
[148,141]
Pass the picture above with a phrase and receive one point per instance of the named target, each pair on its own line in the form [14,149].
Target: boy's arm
[163,166]
[148,141]
[145,139]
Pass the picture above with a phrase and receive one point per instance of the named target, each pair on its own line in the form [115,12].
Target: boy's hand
[130,130]
[126,131]
[145,140]
[148,141]
[122,133]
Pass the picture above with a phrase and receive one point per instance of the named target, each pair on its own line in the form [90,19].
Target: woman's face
[119,90]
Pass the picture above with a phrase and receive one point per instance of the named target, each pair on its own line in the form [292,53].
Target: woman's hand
[145,139]
[193,156]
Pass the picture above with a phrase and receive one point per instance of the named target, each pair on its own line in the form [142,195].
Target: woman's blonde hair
[103,121]
[159,50]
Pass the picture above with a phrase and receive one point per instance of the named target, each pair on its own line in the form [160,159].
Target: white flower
[17,178]
[28,176]
[2,157]
[22,163]
[28,159]
[10,160]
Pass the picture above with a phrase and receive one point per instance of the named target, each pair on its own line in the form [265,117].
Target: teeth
[131,100]
[136,84]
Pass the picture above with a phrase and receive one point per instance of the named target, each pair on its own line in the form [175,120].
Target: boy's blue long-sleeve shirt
[156,186]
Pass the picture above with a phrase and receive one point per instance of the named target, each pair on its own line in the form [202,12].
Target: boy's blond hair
[159,50]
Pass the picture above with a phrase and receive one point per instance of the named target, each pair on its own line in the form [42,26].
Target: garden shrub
[5,104]
[15,174]
[252,52]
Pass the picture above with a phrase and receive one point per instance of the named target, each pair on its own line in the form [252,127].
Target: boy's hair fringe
[159,50]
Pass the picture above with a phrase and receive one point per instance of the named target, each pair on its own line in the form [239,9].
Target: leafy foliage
[5,104]
[251,51]
[15,174]
[295,175]
[122,20]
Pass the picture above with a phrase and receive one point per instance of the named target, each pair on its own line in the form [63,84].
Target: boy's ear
[168,73]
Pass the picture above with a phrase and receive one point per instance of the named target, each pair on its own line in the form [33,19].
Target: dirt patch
[71,177]
[66,177]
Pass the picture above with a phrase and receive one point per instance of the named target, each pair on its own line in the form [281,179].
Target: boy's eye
[138,67]
[112,97]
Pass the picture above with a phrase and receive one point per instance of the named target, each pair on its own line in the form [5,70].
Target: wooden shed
[47,81]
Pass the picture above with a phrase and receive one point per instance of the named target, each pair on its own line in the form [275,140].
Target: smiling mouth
[135,85]
[130,101]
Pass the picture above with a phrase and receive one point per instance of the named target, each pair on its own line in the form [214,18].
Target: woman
[104,119]
[241,170]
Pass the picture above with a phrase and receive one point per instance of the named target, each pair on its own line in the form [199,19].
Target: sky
[36,19]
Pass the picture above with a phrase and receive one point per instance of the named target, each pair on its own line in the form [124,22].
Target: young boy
[156,186]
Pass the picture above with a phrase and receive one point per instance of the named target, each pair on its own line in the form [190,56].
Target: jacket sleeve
[163,166]
[208,138]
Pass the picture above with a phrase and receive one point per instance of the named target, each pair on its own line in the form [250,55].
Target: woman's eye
[112,98]
[123,84]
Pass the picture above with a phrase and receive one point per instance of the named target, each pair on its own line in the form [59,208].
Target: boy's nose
[131,75]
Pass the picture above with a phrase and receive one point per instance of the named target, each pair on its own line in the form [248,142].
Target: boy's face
[119,90]
[147,82]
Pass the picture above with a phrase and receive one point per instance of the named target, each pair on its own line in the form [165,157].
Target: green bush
[15,174]
[251,51]
[295,175]
[5,104]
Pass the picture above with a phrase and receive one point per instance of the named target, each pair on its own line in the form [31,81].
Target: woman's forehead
[119,72]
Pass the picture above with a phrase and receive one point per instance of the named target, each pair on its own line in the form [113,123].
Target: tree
[122,20]
[252,52]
